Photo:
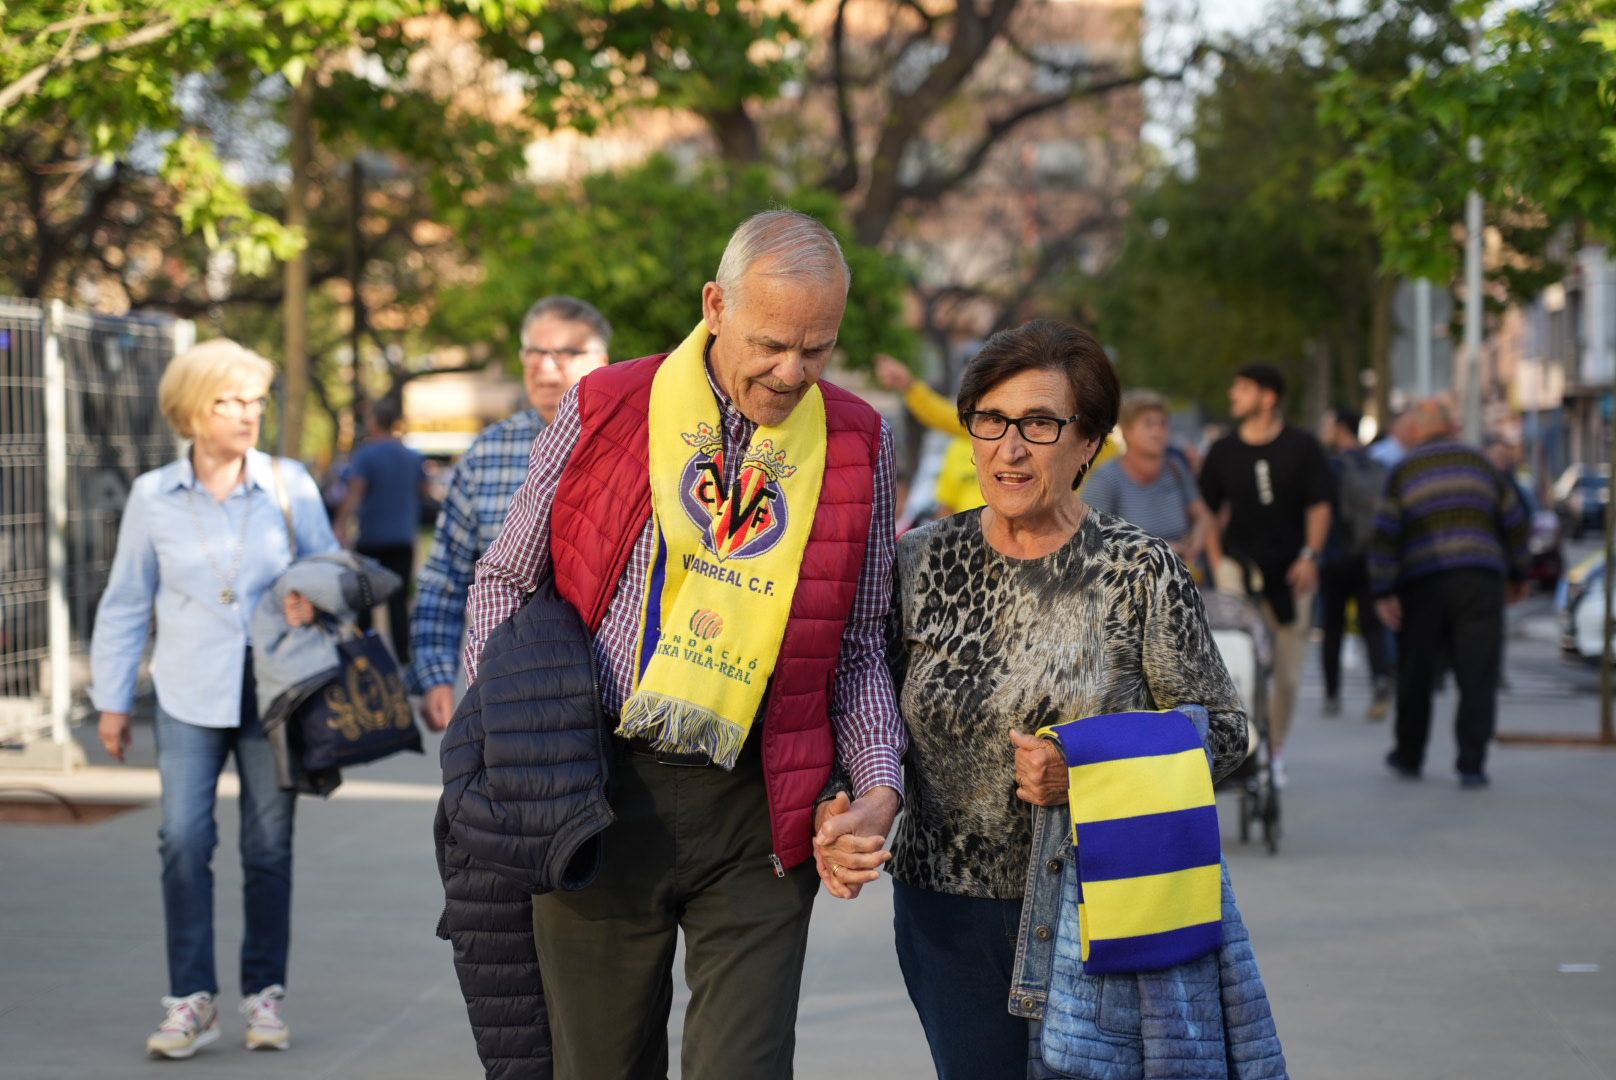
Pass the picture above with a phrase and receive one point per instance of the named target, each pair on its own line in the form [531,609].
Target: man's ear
[712,306]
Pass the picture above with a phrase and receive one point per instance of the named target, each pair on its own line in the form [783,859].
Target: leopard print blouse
[980,643]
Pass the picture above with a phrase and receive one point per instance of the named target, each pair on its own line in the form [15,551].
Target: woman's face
[1021,479]
[229,423]
[1147,433]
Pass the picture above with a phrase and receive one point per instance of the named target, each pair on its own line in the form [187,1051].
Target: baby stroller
[1242,638]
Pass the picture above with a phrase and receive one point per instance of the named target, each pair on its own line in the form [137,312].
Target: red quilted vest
[602,504]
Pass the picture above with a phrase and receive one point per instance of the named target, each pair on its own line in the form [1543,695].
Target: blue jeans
[189,761]
[957,953]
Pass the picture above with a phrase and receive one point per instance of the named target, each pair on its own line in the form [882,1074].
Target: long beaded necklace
[227,582]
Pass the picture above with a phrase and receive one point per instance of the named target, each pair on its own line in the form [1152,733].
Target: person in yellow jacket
[957,488]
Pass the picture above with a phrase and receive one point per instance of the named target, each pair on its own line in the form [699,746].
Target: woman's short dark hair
[1045,345]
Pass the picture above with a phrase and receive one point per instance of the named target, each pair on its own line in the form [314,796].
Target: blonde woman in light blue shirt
[201,540]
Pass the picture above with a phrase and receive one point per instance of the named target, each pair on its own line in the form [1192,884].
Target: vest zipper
[779,868]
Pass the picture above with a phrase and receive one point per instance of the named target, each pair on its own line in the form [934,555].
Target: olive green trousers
[690,850]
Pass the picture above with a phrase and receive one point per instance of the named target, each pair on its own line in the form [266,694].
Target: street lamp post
[1473,309]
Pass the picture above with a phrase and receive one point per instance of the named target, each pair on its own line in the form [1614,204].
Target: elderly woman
[1031,611]
[201,541]
[1149,485]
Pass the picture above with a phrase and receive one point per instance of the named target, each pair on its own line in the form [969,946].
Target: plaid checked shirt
[484,481]
[870,736]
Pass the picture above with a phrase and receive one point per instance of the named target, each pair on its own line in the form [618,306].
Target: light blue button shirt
[161,564]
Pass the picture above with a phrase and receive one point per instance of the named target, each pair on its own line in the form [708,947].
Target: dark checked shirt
[484,481]
[870,736]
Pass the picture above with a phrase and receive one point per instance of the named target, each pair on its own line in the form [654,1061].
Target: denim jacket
[1096,1030]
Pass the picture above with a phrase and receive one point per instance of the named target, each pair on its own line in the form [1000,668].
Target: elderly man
[723,521]
[563,339]
[1450,542]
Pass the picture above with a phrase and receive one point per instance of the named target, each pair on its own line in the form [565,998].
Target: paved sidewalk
[1407,931]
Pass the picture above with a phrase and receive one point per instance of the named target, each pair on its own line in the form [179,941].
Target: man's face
[1335,434]
[1246,399]
[556,353]
[774,343]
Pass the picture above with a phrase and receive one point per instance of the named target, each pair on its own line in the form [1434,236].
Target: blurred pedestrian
[1505,454]
[722,519]
[1397,438]
[1450,545]
[1271,485]
[386,483]
[1022,614]
[1150,485]
[1344,565]
[562,340]
[957,489]
[201,540]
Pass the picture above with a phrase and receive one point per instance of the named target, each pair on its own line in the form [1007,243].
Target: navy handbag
[361,715]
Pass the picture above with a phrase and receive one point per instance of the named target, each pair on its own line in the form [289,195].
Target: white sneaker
[192,1022]
[1277,766]
[266,1030]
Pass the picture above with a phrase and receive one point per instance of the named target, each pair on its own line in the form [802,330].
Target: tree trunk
[296,360]
[1380,345]
[737,134]
[1320,382]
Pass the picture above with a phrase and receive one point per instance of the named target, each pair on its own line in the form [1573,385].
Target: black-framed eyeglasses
[532,354]
[991,426]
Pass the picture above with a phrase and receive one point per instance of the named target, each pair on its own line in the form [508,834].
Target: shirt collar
[725,405]
[181,474]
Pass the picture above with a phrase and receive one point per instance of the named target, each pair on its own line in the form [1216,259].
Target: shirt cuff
[424,674]
[873,767]
[117,702]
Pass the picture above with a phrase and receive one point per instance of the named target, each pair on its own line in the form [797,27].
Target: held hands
[116,734]
[1390,610]
[849,838]
[299,609]
[1041,773]
[438,707]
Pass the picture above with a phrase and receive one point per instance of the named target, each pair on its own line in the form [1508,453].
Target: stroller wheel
[1271,821]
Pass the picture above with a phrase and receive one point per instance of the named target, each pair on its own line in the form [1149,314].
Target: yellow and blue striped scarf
[1145,831]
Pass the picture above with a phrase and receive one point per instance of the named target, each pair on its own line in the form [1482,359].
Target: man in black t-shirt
[1271,488]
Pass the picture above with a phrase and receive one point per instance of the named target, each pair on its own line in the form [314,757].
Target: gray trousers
[689,851]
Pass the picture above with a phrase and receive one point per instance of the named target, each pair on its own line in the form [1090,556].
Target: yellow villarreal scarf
[726,561]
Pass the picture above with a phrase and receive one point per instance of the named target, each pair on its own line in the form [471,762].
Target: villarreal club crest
[748,519]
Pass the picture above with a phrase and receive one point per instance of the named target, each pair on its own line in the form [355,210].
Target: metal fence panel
[24,566]
[99,418]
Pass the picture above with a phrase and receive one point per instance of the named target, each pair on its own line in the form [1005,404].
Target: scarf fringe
[680,727]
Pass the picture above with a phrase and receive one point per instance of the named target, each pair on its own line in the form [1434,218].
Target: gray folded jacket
[290,663]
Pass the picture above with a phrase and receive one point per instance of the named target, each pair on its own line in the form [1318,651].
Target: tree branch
[974,33]
[932,187]
[846,175]
[146,35]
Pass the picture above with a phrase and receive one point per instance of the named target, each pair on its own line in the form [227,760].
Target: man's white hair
[786,244]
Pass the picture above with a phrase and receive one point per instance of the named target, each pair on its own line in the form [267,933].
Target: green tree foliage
[1262,246]
[1540,103]
[99,77]
[640,244]
[599,61]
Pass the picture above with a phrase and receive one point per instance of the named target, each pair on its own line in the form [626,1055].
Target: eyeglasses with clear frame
[992,426]
[532,354]
[237,408]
